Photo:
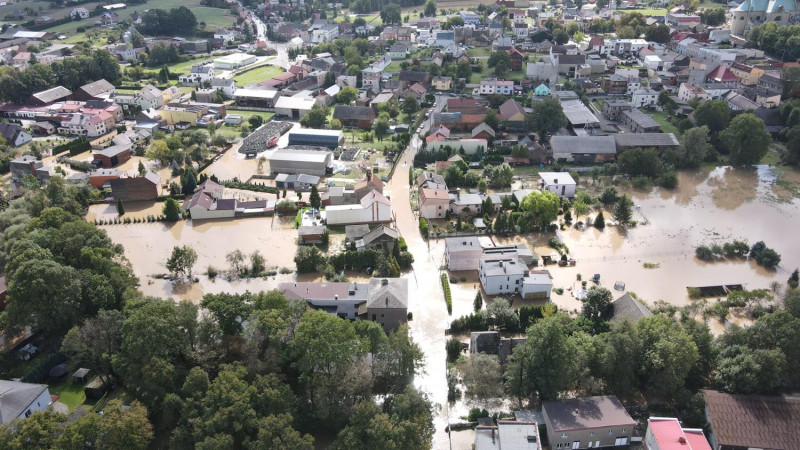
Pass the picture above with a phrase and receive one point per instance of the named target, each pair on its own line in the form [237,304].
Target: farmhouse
[19,400]
[373,208]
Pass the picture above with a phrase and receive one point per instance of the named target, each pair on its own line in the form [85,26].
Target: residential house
[226,86]
[614,84]
[409,77]
[398,51]
[666,433]
[490,86]
[368,184]
[513,113]
[311,234]
[296,182]
[490,343]
[560,183]
[378,238]
[20,400]
[14,134]
[433,203]
[751,421]
[723,74]
[613,108]
[355,116]
[746,74]
[200,73]
[688,91]
[537,285]
[150,97]
[126,53]
[644,97]
[590,422]
[100,177]
[639,122]
[387,303]
[541,91]
[441,83]
[373,208]
[465,203]
[371,76]
[508,435]
[628,308]
[207,202]
[25,165]
[462,253]
[483,131]
[340,299]
[225,35]
[501,273]
[147,187]
[517,58]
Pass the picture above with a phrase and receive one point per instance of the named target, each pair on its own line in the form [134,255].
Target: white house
[433,203]
[537,285]
[224,34]
[150,97]
[200,73]
[560,183]
[14,134]
[206,202]
[373,208]
[644,97]
[501,274]
[445,38]
[19,400]
[462,253]
[634,84]
[228,87]
[470,17]
[494,86]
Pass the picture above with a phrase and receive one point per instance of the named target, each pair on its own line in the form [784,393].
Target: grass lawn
[69,393]
[394,66]
[516,76]
[666,126]
[186,66]
[254,76]
[644,12]
[709,5]
[264,115]
[479,51]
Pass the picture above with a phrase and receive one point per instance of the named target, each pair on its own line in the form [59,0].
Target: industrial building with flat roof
[295,161]
[322,138]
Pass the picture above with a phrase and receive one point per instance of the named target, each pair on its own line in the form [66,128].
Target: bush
[472,322]
[41,370]
[704,253]
[212,272]
[423,227]
[447,295]
[453,347]
[609,196]
[764,255]
[477,413]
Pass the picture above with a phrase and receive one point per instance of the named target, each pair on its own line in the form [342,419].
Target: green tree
[597,307]
[181,260]
[430,8]
[477,305]
[695,146]
[640,162]
[481,375]
[122,427]
[667,354]
[618,355]
[794,279]
[142,169]
[347,95]
[410,105]
[500,176]
[255,121]
[40,430]
[315,118]
[492,118]
[464,70]
[314,199]
[741,370]
[623,211]
[544,365]
[381,128]
[308,259]
[713,114]
[746,139]
[599,221]
[171,210]
[390,14]
[500,61]
[547,117]
[543,206]
[502,315]
[93,343]
[257,263]
[120,208]
[657,33]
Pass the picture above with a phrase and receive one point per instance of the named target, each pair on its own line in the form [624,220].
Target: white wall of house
[199,213]
[561,190]
[434,209]
[377,212]
[40,404]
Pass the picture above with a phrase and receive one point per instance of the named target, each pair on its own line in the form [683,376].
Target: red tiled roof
[722,74]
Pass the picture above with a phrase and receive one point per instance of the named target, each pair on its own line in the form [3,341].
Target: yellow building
[442,83]
[747,75]
[177,114]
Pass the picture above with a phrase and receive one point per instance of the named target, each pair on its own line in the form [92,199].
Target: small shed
[311,234]
[96,388]
[81,375]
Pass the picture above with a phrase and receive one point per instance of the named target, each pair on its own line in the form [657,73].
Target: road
[282,59]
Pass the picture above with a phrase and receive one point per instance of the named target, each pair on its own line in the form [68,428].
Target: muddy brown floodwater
[709,206]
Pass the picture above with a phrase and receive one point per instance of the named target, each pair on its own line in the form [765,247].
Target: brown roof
[586,413]
[434,194]
[754,420]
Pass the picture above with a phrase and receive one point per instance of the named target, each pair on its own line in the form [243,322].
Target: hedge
[41,371]
[447,296]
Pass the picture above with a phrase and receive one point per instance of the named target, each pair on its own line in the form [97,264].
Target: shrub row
[447,295]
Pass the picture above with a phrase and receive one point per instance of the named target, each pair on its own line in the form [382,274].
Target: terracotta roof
[754,421]
[373,197]
[434,194]
[722,75]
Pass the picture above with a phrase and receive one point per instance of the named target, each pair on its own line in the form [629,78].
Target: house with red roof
[666,433]
[723,74]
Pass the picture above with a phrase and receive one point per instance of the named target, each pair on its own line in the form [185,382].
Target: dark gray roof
[352,112]
[584,144]
[15,397]
[586,413]
[640,118]
[627,307]
[378,232]
[418,77]
[645,140]
[388,293]
[52,94]
[98,87]
[356,231]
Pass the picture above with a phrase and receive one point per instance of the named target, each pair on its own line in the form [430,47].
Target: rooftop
[325,291]
[586,413]
[669,435]
[15,397]
[388,293]
[553,178]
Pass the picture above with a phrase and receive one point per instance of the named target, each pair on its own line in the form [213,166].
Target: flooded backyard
[709,206]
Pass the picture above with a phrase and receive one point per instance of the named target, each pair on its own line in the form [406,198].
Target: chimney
[492,435]
[369,175]
[336,297]
[384,282]
[387,301]
[682,440]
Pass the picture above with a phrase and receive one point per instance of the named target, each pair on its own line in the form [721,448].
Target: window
[563,435]
[591,434]
[381,316]
[624,430]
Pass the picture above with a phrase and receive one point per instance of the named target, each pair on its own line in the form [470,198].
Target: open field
[256,75]
[264,115]
[212,17]
[644,12]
